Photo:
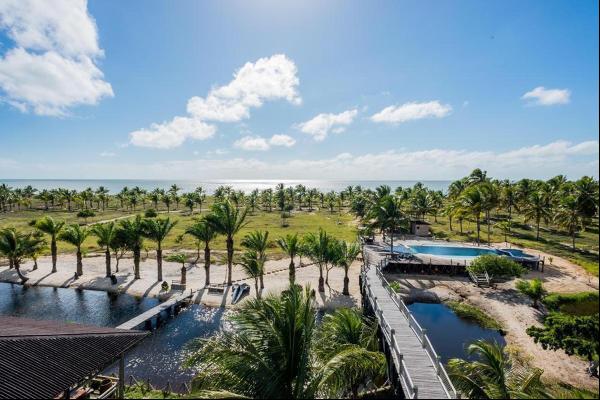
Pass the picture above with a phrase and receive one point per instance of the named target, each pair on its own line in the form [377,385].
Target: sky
[270,89]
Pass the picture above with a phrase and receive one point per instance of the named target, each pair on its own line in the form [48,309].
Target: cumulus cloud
[267,79]
[282,140]
[172,134]
[320,126]
[258,143]
[410,111]
[547,97]
[52,66]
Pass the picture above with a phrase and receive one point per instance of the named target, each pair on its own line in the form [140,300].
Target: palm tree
[258,241]
[389,216]
[76,235]
[347,253]
[272,354]
[227,220]
[318,249]
[290,244]
[472,201]
[534,289]
[253,268]
[494,375]
[53,228]
[17,246]
[106,235]
[203,232]
[536,208]
[505,227]
[568,217]
[157,230]
[133,236]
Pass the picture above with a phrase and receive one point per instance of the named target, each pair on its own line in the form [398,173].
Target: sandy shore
[276,279]
[514,312]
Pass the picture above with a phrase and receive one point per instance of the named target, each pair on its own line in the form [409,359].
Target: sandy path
[514,311]
[276,279]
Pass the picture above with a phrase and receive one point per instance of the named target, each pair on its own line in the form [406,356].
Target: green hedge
[496,266]
[584,303]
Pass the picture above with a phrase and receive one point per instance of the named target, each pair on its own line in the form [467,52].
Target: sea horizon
[209,185]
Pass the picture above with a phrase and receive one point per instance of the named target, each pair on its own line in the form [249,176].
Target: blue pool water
[450,334]
[452,251]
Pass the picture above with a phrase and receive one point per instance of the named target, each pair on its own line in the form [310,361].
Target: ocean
[115,185]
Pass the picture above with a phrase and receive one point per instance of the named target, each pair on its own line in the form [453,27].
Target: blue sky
[335,89]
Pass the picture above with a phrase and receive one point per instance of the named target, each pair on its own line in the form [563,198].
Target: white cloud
[252,143]
[320,126]
[282,140]
[107,154]
[52,65]
[410,111]
[172,134]
[267,79]
[547,97]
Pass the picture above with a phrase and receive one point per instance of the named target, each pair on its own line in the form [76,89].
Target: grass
[472,313]
[340,226]
[552,240]
[584,303]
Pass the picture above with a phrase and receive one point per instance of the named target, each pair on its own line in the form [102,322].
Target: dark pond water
[449,334]
[157,358]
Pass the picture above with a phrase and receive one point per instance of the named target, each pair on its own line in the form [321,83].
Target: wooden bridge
[414,366]
[171,306]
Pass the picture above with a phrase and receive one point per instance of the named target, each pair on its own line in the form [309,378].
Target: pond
[157,358]
[450,334]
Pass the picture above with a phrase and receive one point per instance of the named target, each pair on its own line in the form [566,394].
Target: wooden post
[122,376]
[423,333]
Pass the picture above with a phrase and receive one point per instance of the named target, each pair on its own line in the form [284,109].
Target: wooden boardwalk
[419,370]
[174,301]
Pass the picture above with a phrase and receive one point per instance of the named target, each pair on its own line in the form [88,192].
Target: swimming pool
[451,251]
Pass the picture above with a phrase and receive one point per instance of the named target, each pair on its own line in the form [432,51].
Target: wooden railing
[420,333]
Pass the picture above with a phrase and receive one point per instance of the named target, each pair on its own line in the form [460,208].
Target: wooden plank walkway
[424,374]
[153,312]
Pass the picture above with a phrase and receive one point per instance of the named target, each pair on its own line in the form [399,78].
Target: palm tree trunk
[292,271]
[79,263]
[159,262]
[18,269]
[346,292]
[321,280]
[136,262]
[478,229]
[262,281]
[537,235]
[229,260]
[256,288]
[54,251]
[488,227]
[107,256]
[207,265]
[573,239]
[450,222]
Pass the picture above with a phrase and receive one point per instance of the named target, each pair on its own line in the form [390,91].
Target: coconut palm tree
[157,230]
[76,235]
[258,241]
[494,376]
[536,208]
[53,228]
[346,254]
[290,244]
[472,201]
[271,354]
[388,215]
[318,249]
[227,220]
[253,268]
[132,235]
[203,232]
[17,246]
[106,235]
[568,217]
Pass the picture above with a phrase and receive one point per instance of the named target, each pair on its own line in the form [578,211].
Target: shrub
[584,303]
[150,213]
[496,266]
[164,286]
[86,214]
[532,289]
[472,313]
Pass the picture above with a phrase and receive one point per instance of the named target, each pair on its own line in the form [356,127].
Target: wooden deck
[174,301]
[419,370]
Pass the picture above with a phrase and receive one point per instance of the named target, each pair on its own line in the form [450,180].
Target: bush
[496,266]
[472,313]
[164,286]
[150,213]
[534,289]
[86,214]
[584,303]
